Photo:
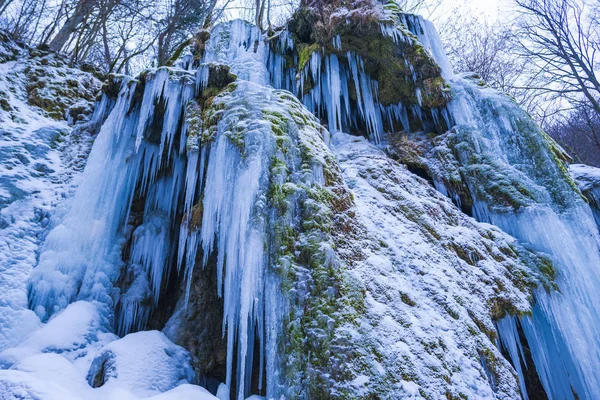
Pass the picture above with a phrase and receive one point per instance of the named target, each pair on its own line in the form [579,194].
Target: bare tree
[491,50]
[182,19]
[563,38]
[475,45]
[259,13]
[81,12]
[579,133]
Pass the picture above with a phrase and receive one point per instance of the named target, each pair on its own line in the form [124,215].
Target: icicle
[151,248]
[154,89]
[202,75]
[229,197]
[354,68]
[333,93]
[337,42]
[509,336]
[78,259]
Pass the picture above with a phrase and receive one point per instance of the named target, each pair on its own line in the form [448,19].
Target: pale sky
[492,9]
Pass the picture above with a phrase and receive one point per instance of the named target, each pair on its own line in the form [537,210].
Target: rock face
[287,260]
[364,70]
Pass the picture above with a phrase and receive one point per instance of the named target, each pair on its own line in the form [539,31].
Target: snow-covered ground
[587,177]
[32,181]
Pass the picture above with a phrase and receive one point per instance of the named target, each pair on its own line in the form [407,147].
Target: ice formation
[340,273]
[557,222]
[331,78]
[588,179]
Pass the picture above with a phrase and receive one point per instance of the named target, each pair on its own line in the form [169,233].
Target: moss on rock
[393,64]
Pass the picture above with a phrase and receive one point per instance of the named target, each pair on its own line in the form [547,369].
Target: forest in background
[543,53]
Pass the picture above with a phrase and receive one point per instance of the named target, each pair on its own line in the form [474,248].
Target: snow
[62,359]
[587,177]
[80,325]
[430,278]
[144,363]
[36,173]
[399,211]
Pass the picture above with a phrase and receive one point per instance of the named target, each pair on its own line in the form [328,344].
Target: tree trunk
[83,8]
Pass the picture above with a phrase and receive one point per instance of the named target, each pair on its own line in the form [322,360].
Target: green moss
[540,145]
[193,118]
[312,342]
[304,53]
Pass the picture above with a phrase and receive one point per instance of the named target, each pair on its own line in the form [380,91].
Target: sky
[491,9]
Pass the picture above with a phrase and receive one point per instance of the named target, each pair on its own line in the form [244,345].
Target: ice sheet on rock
[239,45]
[564,329]
[430,39]
[564,332]
[234,223]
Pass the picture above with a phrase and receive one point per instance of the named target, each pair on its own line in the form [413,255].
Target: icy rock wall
[189,169]
[493,161]
[496,164]
[519,182]
[155,164]
[370,76]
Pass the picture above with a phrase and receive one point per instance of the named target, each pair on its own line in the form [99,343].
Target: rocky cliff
[320,211]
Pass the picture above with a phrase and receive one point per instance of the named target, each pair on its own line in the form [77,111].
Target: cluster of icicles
[144,153]
[82,256]
[331,76]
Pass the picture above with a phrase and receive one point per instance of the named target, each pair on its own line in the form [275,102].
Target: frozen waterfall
[563,333]
[171,187]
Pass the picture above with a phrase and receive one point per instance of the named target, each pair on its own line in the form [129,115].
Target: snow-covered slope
[38,159]
[434,281]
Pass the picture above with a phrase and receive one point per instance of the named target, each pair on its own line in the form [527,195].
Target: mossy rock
[391,64]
